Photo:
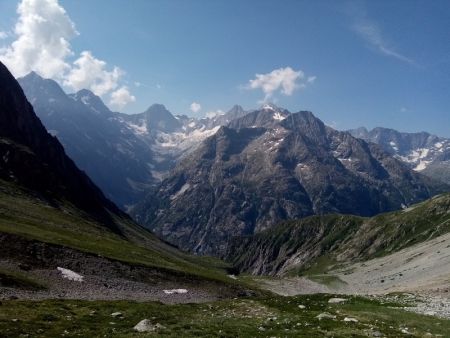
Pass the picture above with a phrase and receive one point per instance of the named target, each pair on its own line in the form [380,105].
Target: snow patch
[175,291]
[139,129]
[422,165]
[180,192]
[268,107]
[70,275]
[278,116]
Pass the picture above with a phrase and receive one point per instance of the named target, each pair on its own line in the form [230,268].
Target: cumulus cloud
[3,35]
[43,32]
[285,80]
[90,72]
[195,107]
[121,97]
[42,43]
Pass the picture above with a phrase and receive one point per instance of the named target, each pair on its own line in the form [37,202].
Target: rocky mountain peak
[158,117]
[36,86]
[92,101]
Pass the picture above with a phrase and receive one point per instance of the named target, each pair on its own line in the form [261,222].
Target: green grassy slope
[26,215]
[296,244]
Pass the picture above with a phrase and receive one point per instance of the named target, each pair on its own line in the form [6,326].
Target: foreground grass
[262,317]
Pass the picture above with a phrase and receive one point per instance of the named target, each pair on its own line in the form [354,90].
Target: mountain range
[55,221]
[423,152]
[271,165]
[123,154]
[197,183]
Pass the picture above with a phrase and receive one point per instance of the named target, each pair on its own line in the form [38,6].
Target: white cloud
[195,107]
[42,43]
[285,80]
[3,35]
[90,72]
[121,97]
[212,114]
[43,32]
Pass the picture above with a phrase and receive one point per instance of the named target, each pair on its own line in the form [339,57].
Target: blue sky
[352,63]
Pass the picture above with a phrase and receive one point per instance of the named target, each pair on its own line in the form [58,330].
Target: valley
[121,216]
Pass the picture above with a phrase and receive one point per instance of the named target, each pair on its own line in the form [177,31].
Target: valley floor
[422,272]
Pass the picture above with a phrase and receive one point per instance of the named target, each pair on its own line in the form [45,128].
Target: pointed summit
[158,117]
[35,86]
[92,101]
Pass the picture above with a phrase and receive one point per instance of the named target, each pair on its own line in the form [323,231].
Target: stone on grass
[116,314]
[146,325]
[336,300]
[302,307]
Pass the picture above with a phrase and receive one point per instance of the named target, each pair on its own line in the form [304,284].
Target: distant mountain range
[124,154]
[423,152]
[271,165]
[199,182]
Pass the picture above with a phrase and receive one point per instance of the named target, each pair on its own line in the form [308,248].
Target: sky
[352,63]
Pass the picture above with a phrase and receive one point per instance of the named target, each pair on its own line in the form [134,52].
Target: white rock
[302,307]
[116,314]
[350,319]
[336,300]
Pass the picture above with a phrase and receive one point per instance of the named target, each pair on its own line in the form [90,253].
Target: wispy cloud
[371,32]
[373,35]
